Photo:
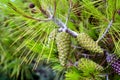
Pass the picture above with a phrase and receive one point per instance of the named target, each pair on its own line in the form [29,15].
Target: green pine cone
[87,65]
[63,46]
[88,43]
[53,34]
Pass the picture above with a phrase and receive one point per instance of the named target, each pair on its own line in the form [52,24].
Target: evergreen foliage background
[28,47]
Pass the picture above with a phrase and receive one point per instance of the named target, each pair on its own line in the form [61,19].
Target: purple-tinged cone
[31,5]
[114,62]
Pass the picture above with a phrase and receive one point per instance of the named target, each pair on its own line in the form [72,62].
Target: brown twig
[25,15]
[44,12]
[69,11]
[55,5]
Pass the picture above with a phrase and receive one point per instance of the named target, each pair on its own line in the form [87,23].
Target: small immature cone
[31,5]
[114,62]
[88,43]
[52,38]
[118,12]
[53,34]
[63,46]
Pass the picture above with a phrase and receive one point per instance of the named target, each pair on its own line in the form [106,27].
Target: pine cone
[31,5]
[88,65]
[114,62]
[63,46]
[88,43]
[118,12]
[53,34]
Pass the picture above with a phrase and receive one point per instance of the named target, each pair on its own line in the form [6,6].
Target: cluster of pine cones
[63,41]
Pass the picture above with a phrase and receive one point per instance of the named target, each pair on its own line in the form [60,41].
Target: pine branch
[64,27]
[58,21]
[50,17]
[107,29]
[110,24]
[25,15]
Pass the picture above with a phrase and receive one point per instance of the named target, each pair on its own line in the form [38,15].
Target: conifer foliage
[59,39]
